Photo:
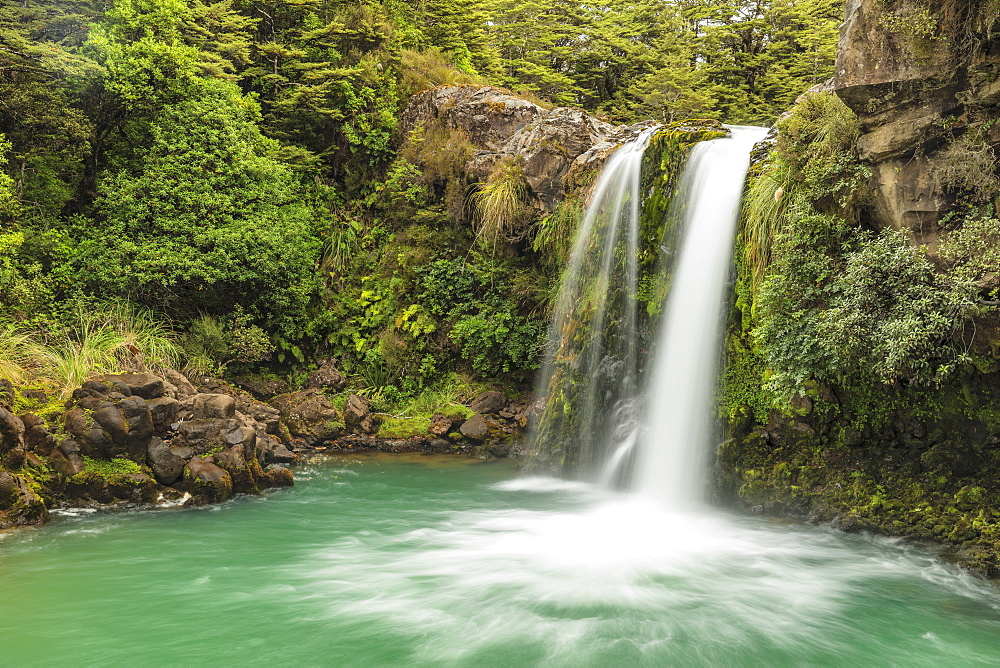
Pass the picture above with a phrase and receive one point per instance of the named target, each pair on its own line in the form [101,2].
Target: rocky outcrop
[555,147]
[308,415]
[920,470]
[918,81]
[133,438]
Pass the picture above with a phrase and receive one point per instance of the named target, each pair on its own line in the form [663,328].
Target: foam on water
[614,569]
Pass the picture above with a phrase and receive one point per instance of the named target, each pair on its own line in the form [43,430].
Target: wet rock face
[358,415]
[913,96]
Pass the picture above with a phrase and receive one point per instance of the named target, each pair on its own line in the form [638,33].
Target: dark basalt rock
[358,415]
[234,462]
[207,480]
[278,476]
[163,411]
[326,375]
[213,406]
[11,431]
[282,455]
[166,465]
[441,425]
[476,427]
[66,458]
[309,415]
[489,402]
[145,385]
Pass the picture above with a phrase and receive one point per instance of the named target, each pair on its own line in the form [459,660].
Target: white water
[680,396]
[597,298]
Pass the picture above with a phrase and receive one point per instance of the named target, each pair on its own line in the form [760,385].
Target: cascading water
[590,375]
[680,406]
[595,402]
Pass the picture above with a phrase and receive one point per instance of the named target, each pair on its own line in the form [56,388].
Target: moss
[404,427]
[112,471]
[903,475]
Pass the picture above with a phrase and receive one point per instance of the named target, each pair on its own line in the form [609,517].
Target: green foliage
[500,202]
[209,221]
[112,470]
[974,253]
[500,342]
[209,346]
[823,300]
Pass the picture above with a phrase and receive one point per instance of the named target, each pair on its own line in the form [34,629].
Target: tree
[208,219]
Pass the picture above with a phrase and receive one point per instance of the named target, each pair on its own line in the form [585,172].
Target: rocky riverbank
[145,438]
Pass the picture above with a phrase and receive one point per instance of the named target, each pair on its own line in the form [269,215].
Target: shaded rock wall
[918,75]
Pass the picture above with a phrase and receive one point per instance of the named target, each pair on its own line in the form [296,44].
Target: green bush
[207,220]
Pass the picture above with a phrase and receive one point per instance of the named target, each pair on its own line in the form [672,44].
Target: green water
[426,561]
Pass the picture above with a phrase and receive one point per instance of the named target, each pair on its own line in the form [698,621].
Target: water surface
[374,560]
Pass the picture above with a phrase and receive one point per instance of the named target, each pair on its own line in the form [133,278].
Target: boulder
[120,429]
[308,415]
[325,376]
[66,458]
[358,415]
[182,451]
[167,467]
[11,431]
[266,415]
[552,146]
[19,505]
[476,427]
[282,455]
[209,406]
[489,402]
[203,436]
[145,385]
[490,116]
[163,411]
[440,424]
[37,439]
[182,386]
[278,476]
[234,462]
[207,480]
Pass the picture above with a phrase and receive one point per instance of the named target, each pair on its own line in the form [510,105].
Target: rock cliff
[553,146]
[921,77]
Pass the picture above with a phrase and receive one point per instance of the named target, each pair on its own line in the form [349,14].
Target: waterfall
[680,397]
[590,375]
[600,418]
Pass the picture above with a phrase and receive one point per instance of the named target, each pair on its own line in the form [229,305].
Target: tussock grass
[763,211]
[108,339]
[15,354]
[500,204]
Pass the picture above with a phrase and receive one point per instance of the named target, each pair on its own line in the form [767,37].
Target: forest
[227,186]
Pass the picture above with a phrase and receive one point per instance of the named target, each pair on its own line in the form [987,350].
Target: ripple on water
[581,582]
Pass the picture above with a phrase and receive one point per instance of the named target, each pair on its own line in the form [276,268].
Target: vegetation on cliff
[240,171]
